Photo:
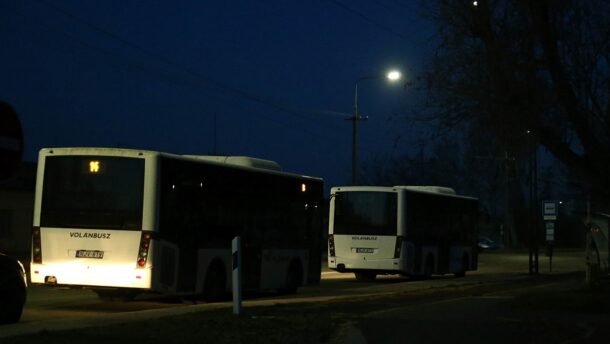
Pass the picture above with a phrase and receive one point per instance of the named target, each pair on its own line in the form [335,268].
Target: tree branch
[565,94]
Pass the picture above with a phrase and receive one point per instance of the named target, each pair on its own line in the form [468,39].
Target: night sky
[267,79]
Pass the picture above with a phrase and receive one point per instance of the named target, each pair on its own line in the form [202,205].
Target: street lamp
[391,76]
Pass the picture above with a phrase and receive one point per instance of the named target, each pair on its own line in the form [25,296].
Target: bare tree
[509,67]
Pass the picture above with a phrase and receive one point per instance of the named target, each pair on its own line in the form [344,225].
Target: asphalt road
[46,306]
[483,314]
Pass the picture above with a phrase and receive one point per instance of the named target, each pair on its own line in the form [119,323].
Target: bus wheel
[294,278]
[465,263]
[215,280]
[365,276]
[116,295]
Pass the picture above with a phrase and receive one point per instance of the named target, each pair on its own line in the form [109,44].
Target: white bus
[123,221]
[406,230]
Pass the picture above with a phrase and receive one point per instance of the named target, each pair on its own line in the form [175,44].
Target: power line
[230,90]
[174,80]
[370,20]
[218,84]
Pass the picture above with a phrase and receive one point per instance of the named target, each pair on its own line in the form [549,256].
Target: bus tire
[215,283]
[365,276]
[294,277]
[465,263]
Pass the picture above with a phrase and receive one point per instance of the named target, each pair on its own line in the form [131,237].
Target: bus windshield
[365,213]
[93,192]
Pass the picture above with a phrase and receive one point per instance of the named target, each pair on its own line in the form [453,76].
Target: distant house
[16,209]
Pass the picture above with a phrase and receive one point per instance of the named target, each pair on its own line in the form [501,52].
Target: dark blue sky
[167,75]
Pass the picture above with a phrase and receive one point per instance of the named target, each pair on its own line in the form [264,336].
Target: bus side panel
[429,253]
[458,254]
[408,258]
[165,266]
[276,263]
[205,257]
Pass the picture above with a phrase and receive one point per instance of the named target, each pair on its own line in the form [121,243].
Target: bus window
[365,213]
[93,192]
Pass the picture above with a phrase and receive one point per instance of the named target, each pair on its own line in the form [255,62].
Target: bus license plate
[365,250]
[89,254]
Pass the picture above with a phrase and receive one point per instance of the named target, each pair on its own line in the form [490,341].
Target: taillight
[36,246]
[331,245]
[398,247]
[144,246]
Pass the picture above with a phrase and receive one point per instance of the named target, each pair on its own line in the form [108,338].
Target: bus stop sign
[550,209]
[11,141]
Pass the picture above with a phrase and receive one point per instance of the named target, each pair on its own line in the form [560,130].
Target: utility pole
[392,76]
[533,204]
[355,118]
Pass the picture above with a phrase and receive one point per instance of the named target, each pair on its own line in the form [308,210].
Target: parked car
[487,244]
[13,284]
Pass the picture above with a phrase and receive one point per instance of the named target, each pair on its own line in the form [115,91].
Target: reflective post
[236,253]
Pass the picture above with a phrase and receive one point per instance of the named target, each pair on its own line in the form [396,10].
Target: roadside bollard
[236,253]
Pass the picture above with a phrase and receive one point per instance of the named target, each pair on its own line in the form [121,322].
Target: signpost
[550,210]
[11,141]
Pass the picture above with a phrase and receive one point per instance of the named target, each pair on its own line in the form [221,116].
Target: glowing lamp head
[393,75]
[303,187]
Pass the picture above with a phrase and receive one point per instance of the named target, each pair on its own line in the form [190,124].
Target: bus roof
[428,188]
[439,190]
[262,165]
[240,161]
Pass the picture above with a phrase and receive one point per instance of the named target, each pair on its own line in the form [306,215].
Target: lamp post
[392,76]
